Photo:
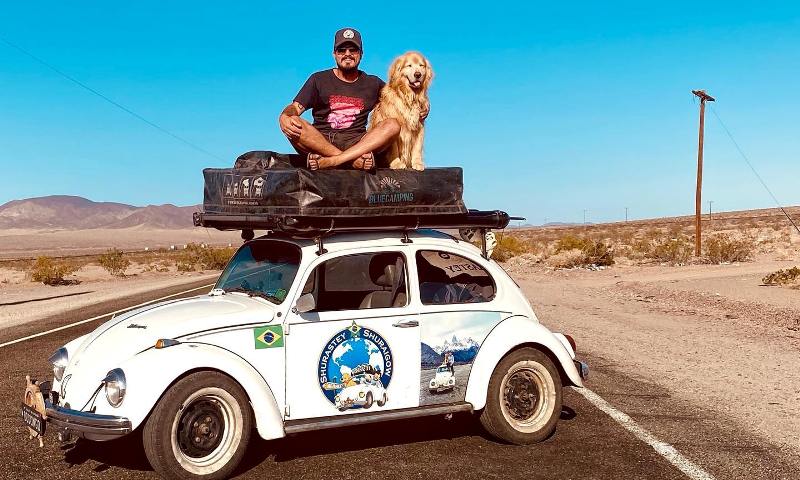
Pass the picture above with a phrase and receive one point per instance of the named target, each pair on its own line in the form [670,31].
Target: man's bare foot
[365,162]
[326,162]
[312,161]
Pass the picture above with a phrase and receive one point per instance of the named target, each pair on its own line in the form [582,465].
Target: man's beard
[348,69]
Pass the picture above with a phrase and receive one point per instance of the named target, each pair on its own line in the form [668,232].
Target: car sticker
[450,344]
[270,336]
[355,369]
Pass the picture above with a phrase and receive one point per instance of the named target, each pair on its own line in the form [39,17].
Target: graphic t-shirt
[338,105]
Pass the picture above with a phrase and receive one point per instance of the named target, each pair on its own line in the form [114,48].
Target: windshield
[442,369]
[264,268]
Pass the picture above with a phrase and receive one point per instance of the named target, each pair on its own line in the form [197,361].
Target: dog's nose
[417,74]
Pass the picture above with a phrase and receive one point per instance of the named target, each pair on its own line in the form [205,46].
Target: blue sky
[551,109]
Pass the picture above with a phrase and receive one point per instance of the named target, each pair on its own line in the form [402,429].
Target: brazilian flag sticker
[270,336]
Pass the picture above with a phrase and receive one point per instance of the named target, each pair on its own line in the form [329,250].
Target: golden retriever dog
[404,98]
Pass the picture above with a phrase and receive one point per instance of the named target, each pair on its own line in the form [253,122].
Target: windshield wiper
[253,293]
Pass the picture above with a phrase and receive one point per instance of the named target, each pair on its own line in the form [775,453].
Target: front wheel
[523,402]
[199,429]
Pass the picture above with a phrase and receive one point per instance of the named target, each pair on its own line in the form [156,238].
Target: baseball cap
[347,35]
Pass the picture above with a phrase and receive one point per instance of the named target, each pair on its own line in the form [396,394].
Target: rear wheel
[368,400]
[199,429]
[523,402]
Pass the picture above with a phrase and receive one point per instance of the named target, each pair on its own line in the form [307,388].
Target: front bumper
[91,426]
[583,369]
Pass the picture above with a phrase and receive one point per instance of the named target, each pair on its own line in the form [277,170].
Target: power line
[112,102]
[714,111]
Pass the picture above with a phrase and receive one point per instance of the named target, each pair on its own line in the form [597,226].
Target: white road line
[64,327]
[662,448]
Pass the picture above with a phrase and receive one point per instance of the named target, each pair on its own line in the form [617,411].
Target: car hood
[133,332]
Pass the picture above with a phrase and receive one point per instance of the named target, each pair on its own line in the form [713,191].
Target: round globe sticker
[355,369]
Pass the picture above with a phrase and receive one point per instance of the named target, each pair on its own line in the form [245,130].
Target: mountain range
[455,344]
[464,351]
[77,213]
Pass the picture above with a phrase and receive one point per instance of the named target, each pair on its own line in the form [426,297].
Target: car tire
[523,402]
[199,429]
[382,400]
[368,400]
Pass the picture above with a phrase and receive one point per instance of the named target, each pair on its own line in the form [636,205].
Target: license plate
[33,419]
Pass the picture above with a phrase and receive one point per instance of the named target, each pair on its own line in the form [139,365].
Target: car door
[455,296]
[358,350]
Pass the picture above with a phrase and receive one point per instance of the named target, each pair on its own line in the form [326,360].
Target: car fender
[150,373]
[505,336]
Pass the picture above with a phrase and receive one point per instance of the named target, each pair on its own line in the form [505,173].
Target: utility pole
[703,96]
[709,209]
[626,214]
[584,216]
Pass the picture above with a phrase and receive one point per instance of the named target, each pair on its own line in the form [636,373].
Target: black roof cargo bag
[269,183]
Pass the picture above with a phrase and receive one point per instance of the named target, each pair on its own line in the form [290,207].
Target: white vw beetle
[290,327]
[444,380]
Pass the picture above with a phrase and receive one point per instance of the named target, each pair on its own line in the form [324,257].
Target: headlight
[115,387]
[59,360]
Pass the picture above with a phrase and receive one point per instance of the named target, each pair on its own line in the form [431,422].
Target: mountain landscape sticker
[450,343]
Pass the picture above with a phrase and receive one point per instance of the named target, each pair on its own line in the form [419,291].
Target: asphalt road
[588,443]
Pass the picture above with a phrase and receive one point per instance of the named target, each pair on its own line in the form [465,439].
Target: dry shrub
[206,258]
[598,253]
[782,277]
[571,242]
[567,259]
[594,252]
[156,267]
[510,246]
[720,248]
[114,262]
[50,272]
[674,251]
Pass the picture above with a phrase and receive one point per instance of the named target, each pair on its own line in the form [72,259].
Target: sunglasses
[343,50]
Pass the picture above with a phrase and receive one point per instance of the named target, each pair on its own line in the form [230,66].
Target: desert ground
[27,243]
[707,333]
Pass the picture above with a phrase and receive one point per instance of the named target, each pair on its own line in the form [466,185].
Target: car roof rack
[319,227]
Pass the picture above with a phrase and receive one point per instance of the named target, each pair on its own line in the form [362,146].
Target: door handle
[406,324]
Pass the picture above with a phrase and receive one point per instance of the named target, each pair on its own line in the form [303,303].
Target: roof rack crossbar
[313,226]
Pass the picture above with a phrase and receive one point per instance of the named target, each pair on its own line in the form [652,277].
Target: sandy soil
[22,302]
[21,243]
[710,334]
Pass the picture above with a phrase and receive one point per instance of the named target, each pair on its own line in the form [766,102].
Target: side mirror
[305,303]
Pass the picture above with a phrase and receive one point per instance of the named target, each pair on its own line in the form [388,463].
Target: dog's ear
[395,68]
[428,75]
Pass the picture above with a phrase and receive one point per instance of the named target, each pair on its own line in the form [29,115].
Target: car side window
[361,281]
[446,278]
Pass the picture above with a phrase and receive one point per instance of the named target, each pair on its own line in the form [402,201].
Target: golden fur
[404,98]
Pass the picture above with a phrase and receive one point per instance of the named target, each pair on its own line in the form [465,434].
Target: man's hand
[290,122]
[291,126]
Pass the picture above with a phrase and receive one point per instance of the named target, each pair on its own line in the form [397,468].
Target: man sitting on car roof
[340,100]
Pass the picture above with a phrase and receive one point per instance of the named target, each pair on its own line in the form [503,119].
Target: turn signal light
[572,343]
[165,342]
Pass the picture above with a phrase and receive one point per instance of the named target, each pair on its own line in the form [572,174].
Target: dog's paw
[418,166]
